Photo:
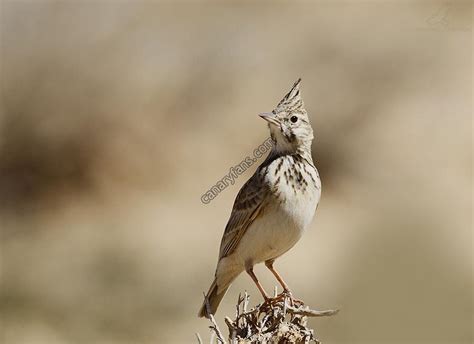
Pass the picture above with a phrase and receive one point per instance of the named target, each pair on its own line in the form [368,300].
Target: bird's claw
[282,297]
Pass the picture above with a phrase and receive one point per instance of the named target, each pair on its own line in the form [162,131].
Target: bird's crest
[292,101]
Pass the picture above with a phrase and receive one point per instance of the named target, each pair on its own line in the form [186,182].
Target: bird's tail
[213,298]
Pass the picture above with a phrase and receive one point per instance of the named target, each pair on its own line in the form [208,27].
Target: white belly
[279,227]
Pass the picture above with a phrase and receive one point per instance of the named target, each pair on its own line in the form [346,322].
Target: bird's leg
[269,265]
[259,286]
[286,290]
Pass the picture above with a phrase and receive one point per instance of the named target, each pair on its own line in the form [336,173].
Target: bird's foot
[287,295]
[283,297]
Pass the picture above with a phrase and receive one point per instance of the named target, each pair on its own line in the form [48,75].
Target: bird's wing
[248,205]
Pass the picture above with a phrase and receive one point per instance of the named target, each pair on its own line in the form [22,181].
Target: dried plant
[280,320]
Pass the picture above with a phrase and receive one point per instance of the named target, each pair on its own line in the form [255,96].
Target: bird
[274,207]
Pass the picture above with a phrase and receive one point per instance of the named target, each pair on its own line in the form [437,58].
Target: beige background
[117,116]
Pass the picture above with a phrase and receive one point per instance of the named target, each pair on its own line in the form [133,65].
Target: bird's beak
[270,117]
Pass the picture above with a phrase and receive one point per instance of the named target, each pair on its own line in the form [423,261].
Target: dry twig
[214,327]
[281,320]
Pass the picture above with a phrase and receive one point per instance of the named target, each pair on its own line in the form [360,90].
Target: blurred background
[116,117]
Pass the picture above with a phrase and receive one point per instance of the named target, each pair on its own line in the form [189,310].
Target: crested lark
[275,206]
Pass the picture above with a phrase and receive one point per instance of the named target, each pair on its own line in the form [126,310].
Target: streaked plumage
[275,206]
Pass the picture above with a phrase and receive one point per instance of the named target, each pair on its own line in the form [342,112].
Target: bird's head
[289,123]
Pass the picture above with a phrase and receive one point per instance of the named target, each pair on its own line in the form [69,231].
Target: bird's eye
[294,119]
